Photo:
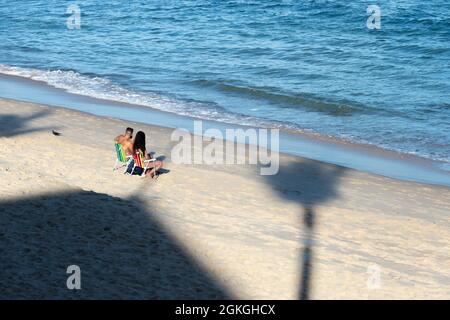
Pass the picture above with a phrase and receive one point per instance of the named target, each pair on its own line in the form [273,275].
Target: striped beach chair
[141,162]
[121,160]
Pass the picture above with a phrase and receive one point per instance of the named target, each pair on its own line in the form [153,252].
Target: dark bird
[56,133]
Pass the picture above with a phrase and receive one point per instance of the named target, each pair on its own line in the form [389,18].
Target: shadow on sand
[308,183]
[121,249]
[12,125]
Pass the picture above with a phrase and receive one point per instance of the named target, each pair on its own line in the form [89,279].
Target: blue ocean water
[300,65]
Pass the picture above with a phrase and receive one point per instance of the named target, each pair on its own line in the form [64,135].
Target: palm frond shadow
[13,125]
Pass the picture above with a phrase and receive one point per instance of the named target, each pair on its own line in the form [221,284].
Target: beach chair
[141,162]
[121,160]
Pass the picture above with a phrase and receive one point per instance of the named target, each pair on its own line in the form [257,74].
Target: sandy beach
[314,230]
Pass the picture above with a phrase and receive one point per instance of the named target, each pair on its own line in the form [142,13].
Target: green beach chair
[121,160]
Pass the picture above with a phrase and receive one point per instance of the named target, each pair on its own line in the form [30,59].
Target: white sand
[204,231]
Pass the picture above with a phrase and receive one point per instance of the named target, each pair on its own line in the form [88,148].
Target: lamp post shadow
[308,183]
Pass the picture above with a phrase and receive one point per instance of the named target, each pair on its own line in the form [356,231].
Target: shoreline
[367,158]
[203,231]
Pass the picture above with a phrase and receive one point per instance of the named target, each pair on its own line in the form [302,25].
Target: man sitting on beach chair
[126,140]
[124,146]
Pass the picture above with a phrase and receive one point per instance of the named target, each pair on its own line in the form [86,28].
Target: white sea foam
[95,87]
[102,88]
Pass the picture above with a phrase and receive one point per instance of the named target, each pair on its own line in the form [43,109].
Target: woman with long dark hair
[139,146]
[139,142]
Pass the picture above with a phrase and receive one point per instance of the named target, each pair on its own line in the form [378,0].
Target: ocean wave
[305,101]
[102,88]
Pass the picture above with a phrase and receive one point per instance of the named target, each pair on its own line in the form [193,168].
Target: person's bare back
[126,140]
